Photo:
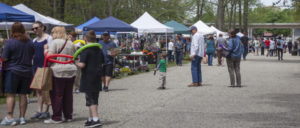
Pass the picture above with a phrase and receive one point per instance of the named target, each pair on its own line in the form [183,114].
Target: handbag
[226,53]
[42,79]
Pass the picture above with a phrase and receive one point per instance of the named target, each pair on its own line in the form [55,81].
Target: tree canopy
[231,12]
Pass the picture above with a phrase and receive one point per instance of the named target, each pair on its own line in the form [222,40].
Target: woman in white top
[272,46]
[170,49]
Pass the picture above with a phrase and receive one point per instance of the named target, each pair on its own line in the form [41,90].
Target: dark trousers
[170,55]
[196,69]
[219,54]
[245,52]
[62,98]
[179,58]
[279,53]
[262,51]
[210,58]
[271,52]
[290,49]
[233,65]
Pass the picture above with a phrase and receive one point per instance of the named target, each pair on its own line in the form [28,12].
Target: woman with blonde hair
[63,77]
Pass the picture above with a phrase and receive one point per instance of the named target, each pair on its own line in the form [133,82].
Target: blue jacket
[234,46]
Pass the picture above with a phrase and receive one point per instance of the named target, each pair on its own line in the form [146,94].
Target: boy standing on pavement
[91,61]
[162,66]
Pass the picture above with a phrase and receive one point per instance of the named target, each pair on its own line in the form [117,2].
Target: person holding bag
[233,58]
[40,42]
[63,77]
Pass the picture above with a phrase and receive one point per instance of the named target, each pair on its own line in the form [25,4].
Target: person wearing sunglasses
[42,41]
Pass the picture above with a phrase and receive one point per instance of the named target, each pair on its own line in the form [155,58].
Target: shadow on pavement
[274,60]
[117,90]
[290,118]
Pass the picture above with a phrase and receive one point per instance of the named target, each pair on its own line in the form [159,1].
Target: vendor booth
[10,14]
[203,28]
[48,21]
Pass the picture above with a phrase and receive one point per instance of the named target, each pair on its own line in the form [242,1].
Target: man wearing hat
[196,54]
[107,44]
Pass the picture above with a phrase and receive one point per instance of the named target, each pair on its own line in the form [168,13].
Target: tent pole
[167,47]
[7,34]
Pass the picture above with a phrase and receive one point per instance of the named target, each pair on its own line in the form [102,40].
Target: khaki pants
[162,79]
[233,65]
[77,79]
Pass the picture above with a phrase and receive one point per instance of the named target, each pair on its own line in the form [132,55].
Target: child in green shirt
[162,66]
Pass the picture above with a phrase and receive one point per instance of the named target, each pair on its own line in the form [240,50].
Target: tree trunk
[245,15]
[232,3]
[202,8]
[234,15]
[220,15]
[240,15]
[54,8]
[198,9]
[62,9]
[110,5]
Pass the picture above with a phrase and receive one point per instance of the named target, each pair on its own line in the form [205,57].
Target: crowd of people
[23,56]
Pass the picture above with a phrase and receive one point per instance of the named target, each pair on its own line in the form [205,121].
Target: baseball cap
[192,28]
[106,33]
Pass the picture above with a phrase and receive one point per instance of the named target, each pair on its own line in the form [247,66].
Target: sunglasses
[34,28]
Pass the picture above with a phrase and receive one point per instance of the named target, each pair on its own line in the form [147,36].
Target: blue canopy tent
[8,13]
[91,21]
[110,24]
[178,27]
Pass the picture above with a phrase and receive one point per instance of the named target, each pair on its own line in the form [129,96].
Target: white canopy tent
[240,34]
[49,21]
[203,28]
[147,24]
[225,35]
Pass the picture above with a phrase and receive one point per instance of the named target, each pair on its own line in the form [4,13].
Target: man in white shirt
[196,55]
[170,49]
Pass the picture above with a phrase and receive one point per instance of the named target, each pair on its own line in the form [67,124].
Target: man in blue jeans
[196,54]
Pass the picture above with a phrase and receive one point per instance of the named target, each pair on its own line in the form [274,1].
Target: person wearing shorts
[90,62]
[17,54]
[108,59]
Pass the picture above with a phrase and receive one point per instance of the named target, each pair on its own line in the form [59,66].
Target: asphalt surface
[269,98]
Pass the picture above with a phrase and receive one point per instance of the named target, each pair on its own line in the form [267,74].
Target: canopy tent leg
[167,47]
[7,34]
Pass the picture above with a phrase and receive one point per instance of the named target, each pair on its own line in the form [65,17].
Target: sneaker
[161,88]
[36,115]
[87,123]
[44,115]
[6,121]
[76,91]
[50,121]
[22,121]
[105,88]
[68,120]
[94,124]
